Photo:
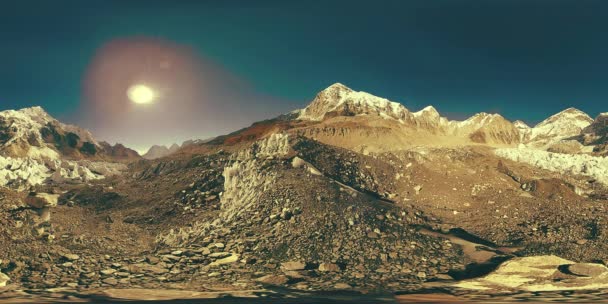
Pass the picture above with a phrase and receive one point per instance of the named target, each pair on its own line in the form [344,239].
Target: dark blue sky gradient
[524,59]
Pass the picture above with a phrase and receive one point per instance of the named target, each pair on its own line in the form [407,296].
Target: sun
[141,94]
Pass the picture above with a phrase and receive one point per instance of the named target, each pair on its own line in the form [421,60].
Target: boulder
[42,200]
[231,259]
[3,279]
[538,273]
[293,266]
[71,257]
[273,279]
[329,267]
[587,269]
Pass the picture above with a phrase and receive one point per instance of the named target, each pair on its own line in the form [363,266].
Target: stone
[123,274]
[218,255]
[231,259]
[170,258]
[41,200]
[329,267]
[372,235]
[154,269]
[3,279]
[342,286]
[587,269]
[71,257]
[219,245]
[581,242]
[108,271]
[152,260]
[417,189]
[272,279]
[110,281]
[293,265]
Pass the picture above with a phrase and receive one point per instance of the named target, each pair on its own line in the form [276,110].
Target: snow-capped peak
[564,124]
[478,120]
[521,125]
[427,111]
[342,100]
[32,132]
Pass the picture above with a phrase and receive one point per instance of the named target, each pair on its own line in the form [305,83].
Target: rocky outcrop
[541,273]
[597,132]
[245,181]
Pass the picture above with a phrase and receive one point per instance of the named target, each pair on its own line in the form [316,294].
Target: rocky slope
[32,132]
[596,134]
[35,148]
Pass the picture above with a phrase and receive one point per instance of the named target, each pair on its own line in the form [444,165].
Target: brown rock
[587,269]
[273,279]
[293,265]
[329,267]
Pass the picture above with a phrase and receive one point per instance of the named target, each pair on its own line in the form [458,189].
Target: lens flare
[140,94]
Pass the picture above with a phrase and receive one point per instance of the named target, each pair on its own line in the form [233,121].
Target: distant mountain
[36,148]
[339,100]
[158,151]
[32,132]
[565,124]
[360,121]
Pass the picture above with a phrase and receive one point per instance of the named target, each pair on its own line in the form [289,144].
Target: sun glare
[141,94]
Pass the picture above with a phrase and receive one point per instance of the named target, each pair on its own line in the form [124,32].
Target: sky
[217,66]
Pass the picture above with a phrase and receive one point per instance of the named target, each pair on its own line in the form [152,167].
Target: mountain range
[361,121]
[338,114]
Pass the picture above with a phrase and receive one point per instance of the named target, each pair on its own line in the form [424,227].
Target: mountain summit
[565,124]
[340,100]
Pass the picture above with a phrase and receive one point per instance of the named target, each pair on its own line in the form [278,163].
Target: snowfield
[580,164]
